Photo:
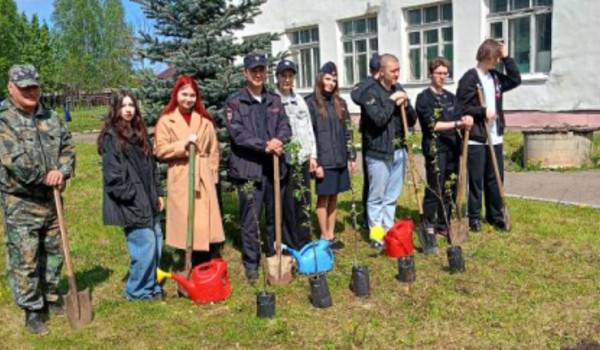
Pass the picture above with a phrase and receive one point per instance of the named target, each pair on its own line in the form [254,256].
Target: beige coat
[171,139]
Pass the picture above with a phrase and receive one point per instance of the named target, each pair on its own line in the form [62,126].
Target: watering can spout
[162,275]
[294,252]
[187,285]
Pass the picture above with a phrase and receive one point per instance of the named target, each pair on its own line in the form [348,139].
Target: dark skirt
[335,181]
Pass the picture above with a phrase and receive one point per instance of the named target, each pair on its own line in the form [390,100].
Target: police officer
[440,121]
[357,97]
[384,150]
[36,154]
[258,129]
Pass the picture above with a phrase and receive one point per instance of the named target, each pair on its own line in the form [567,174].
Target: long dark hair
[123,129]
[338,102]
[182,81]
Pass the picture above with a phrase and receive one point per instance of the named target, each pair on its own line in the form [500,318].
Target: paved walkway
[569,187]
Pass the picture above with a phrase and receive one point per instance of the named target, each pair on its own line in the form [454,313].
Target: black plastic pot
[406,269]
[456,262]
[319,292]
[265,305]
[359,284]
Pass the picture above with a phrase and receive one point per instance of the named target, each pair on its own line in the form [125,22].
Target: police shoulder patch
[228,113]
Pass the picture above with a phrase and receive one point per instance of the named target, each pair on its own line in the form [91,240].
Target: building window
[359,39]
[527,27]
[430,35]
[305,50]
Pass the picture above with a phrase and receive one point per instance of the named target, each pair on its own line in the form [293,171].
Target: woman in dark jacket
[335,151]
[132,193]
[493,85]
[440,122]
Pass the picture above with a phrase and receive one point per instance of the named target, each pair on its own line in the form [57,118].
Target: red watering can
[209,282]
[398,240]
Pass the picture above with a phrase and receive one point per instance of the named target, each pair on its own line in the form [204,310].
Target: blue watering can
[315,257]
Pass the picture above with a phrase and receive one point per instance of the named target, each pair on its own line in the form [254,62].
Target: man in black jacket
[258,128]
[480,168]
[384,149]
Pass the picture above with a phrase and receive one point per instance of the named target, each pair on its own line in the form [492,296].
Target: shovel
[187,270]
[279,267]
[505,213]
[459,230]
[78,304]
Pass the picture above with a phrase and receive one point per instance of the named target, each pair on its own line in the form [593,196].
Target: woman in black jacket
[132,193]
[440,123]
[335,151]
[493,84]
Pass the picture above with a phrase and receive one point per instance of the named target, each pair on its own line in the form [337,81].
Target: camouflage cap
[24,75]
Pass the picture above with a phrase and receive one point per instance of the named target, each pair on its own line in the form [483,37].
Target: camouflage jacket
[30,147]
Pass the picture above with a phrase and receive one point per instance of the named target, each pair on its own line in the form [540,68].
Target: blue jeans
[145,247]
[385,186]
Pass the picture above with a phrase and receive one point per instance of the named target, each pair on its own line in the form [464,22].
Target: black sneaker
[336,244]
[251,275]
[500,226]
[34,322]
[475,226]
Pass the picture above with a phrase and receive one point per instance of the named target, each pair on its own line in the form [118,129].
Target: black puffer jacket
[333,135]
[131,184]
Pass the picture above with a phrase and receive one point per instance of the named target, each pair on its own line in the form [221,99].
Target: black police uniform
[441,150]
[251,124]
[334,145]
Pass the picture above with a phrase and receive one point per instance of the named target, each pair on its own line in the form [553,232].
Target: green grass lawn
[535,288]
[85,118]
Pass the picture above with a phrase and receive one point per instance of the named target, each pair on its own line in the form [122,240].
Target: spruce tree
[197,38]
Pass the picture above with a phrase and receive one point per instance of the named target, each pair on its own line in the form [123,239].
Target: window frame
[439,25]
[305,80]
[507,18]
[370,35]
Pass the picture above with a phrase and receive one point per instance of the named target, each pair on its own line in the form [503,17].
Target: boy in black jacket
[480,168]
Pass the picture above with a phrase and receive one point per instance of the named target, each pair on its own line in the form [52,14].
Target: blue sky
[133,13]
[43,8]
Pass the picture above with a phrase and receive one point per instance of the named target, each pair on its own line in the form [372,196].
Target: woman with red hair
[185,123]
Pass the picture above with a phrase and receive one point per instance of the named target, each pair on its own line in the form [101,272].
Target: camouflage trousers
[34,248]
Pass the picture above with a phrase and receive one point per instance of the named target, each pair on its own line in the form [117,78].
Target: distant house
[553,42]
[167,73]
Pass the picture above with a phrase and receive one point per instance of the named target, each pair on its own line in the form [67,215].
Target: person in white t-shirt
[494,83]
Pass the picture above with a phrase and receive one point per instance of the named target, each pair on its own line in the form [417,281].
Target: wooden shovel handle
[277,192]
[411,163]
[191,208]
[490,145]
[462,175]
[65,241]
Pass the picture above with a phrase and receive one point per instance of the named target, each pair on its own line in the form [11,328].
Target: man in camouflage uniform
[36,154]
